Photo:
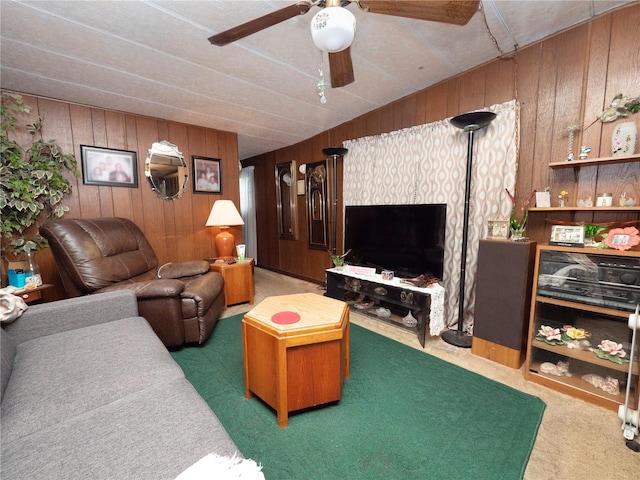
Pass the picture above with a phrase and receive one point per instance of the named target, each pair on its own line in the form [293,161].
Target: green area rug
[404,414]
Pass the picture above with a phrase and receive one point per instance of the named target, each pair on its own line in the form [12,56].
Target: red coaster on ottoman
[285,318]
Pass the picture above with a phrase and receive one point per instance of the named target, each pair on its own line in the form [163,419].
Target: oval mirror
[166,170]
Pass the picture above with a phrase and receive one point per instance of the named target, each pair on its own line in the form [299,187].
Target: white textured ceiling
[152,57]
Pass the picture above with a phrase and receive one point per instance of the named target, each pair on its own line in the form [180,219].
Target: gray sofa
[89,391]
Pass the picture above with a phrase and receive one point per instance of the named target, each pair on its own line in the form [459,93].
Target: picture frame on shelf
[109,167]
[498,229]
[207,174]
[622,238]
[567,235]
[543,199]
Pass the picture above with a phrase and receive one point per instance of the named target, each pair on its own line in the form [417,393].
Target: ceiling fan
[338,42]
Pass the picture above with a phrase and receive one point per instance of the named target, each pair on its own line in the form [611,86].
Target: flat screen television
[408,239]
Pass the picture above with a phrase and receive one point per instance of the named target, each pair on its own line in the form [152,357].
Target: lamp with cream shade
[224,214]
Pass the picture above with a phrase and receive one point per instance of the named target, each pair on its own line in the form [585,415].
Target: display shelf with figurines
[410,304]
[579,338]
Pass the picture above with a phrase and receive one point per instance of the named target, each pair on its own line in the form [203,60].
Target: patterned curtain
[427,164]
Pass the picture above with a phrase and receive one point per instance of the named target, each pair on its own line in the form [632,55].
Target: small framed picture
[497,229]
[567,235]
[109,167]
[543,199]
[623,238]
[207,175]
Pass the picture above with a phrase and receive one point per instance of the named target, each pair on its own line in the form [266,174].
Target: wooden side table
[33,294]
[297,365]
[238,281]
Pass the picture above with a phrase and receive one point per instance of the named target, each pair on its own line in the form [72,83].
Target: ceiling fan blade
[266,21]
[341,68]
[457,12]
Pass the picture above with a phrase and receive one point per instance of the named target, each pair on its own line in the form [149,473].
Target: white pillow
[11,306]
[217,467]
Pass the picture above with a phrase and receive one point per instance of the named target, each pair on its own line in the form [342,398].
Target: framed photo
[109,167]
[497,229]
[623,238]
[567,235]
[543,199]
[207,175]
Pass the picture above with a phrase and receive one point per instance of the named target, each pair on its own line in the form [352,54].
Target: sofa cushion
[8,354]
[60,376]
[152,434]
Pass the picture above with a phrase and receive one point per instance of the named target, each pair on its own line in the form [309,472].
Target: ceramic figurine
[409,320]
[626,202]
[584,152]
[561,369]
[609,384]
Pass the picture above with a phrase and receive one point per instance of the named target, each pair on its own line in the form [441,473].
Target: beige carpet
[576,440]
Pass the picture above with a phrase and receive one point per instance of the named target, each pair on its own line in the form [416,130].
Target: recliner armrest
[183,269]
[149,288]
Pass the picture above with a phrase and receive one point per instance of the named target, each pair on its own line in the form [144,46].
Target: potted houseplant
[32,179]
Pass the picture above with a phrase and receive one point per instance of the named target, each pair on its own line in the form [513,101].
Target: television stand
[370,295]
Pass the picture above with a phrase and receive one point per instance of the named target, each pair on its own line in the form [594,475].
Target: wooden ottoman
[297,365]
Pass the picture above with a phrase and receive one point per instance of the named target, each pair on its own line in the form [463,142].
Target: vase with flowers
[516,226]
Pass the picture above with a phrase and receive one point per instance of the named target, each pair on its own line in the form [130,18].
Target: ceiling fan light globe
[333,29]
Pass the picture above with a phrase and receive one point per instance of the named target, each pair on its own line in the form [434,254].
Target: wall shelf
[585,209]
[595,161]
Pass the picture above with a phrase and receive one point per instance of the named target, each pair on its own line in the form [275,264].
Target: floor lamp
[469,122]
[335,152]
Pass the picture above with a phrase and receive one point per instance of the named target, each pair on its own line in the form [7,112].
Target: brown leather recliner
[181,301]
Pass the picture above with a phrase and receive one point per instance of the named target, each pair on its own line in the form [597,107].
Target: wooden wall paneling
[98,124]
[56,125]
[359,127]
[570,68]
[624,64]
[229,171]
[154,219]
[336,136]
[471,90]
[212,151]
[453,97]
[201,203]
[269,222]
[499,86]
[167,208]
[545,109]
[375,120]
[530,175]
[593,104]
[131,143]
[594,95]
[436,103]
[421,107]
[183,237]
[88,196]
[269,251]
[616,179]
[116,139]
[231,153]
[404,113]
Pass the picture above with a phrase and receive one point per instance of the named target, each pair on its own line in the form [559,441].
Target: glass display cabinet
[580,337]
